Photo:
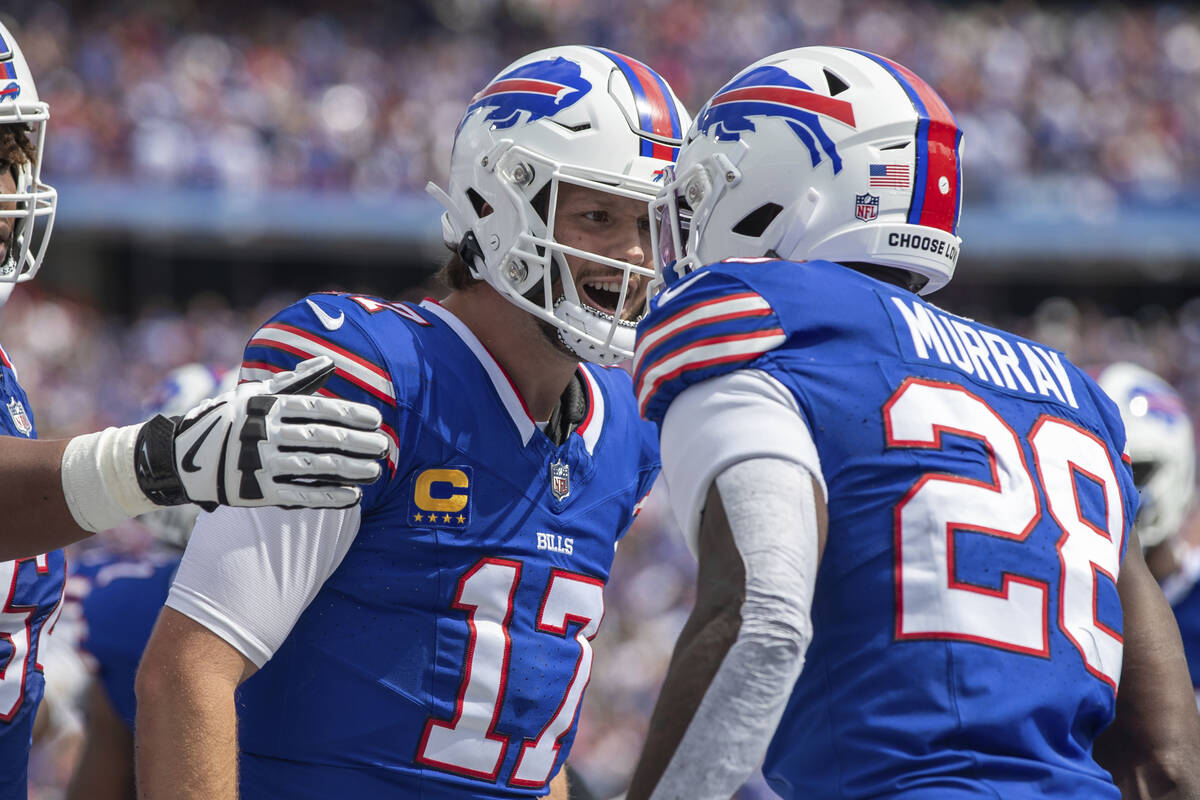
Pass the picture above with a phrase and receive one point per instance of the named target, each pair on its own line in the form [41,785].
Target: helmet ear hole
[541,203]
[754,223]
[481,206]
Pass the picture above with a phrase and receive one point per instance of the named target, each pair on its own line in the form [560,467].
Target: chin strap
[571,410]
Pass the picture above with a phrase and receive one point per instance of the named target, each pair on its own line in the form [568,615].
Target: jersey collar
[506,391]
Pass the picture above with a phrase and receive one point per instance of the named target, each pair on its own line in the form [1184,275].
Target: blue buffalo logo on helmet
[8,72]
[772,92]
[540,89]
[1162,403]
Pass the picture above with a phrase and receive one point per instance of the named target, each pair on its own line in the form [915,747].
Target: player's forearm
[711,630]
[105,768]
[186,739]
[37,519]
[186,732]
[702,646]
[1152,748]
[759,547]
[559,789]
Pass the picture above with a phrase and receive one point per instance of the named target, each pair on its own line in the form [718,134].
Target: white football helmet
[183,389]
[580,115]
[33,204]
[1161,444]
[817,153]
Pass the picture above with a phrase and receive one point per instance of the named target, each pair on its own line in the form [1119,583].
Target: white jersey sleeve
[248,574]
[735,417]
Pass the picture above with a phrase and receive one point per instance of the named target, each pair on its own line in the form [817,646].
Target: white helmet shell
[1161,445]
[580,115]
[32,205]
[818,153]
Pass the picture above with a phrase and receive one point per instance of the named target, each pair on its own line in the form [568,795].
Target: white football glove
[268,443]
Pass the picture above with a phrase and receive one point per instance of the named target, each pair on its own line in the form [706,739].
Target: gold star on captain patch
[461,519]
[417,517]
[445,518]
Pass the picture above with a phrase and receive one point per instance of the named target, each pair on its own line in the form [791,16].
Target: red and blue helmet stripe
[656,109]
[938,139]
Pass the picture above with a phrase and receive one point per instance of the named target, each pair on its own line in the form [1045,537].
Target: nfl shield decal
[866,207]
[16,410]
[560,479]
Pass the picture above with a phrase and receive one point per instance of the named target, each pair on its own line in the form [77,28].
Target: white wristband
[98,479]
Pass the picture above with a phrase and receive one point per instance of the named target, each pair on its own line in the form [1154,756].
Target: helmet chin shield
[578,116]
[683,206]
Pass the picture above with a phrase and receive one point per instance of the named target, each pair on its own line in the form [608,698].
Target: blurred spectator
[1080,105]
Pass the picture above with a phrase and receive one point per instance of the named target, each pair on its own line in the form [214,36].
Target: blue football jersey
[967,628]
[447,654]
[32,588]
[1187,615]
[120,596]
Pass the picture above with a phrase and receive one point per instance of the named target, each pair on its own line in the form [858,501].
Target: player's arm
[105,767]
[758,544]
[247,576]
[559,789]
[262,444]
[1152,747]
[186,718]
[742,648]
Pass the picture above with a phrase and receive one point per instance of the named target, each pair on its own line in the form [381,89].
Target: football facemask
[31,205]
[1161,446]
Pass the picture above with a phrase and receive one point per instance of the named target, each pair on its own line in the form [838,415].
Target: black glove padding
[265,443]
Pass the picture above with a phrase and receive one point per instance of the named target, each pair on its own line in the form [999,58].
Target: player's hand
[268,443]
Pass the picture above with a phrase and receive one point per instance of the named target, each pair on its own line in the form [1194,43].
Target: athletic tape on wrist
[98,479]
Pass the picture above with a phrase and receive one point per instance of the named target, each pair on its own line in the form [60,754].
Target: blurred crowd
[1092,104]
[83,370]
[1089,103]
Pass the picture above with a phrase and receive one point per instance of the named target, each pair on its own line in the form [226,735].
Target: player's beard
[552,333]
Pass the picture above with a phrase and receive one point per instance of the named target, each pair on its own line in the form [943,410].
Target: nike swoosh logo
[331,323]
[189,458]
[665,296]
